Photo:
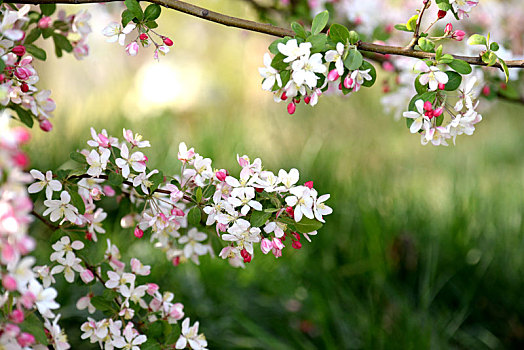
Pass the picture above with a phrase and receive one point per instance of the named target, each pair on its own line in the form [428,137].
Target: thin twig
[416,32]
[52,226]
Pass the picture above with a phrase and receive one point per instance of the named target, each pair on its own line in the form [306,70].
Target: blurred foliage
[425,246]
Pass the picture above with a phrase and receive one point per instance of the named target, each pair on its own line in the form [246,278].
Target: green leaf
[353,37]
[259,218]
[285,75]
[48,9]
[438,53]
[494,46]
[32,36]
[477,39]
[353,60]
[412,22]
[307,225]
[115,179]
[62,174]
[402,27]
[209,192]
[150,344]
[152,12]
[151,24]
[36,52]
[134,7]
[444,6]
[372,71]
[101,303]
[61,26]
[78,157]
[278,62]
[460,66]
[25,116]
[338,33]
[505,68]
[491,58]
[440,119]
[299,30]
[156,179]
[33,325]
[318,42]
[446,58]
[319,22]
[47,32]
[78,202]
[155,330]
[426,45]
[273,47]
[194,216]
[62,42]
[427,96]
[2,66]
[454,80]
[419,87]
[127,16]
[198,194]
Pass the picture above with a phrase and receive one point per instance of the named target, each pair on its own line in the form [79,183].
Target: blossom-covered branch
[265,28]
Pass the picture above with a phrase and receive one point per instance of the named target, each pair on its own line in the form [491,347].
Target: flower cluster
[19,30]
[143,22]
[304,66]
[258,207]
[21,295]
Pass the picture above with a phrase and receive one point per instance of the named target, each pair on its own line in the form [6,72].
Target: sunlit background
[425,247]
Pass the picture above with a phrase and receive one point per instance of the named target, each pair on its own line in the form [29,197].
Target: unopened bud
[19,50]
[143,36]
[167,41]
[333,75]
[441,14]
[449,28]
[291,107]
[441,86]
[428,106]
[46,125]
[24,87]
[138,232]
[307,99]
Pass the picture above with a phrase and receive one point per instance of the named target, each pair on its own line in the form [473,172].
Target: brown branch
[270,29]
[416,32]
[52,226]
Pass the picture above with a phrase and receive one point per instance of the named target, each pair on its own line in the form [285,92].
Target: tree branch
[270,29]
[44,220]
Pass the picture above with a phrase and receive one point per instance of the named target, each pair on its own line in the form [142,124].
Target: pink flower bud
[307,99]
[247,259]
[21,134]
[9,283]
[167,41]
[11,330]
[19,50]
[25,339]
[221,175]
[277,252]
[132,48]
[428,106]
[177,212]
[266,245]
[309,184]
[296,244]
[143,36]
[45,125]
[437,112]
[290,211]
[458,35]
[486,90]
[348,82]
[441,86]
[244,253]
[277,243]
[24,87]
[20,159]
[127,221]
[333,75]
[109,191]
[87,276]
[441,14]
[176,261]
[95,193]
[284,96]
[291,107]
[23,73]
[28,299]
[17,316]
[449,28]
[44,22]
[296,235]
[138,232]
[388,66]
[152,288]
[221,227]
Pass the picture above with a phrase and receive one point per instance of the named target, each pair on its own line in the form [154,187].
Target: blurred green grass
[425,245]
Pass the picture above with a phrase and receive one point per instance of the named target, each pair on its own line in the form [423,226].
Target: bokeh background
[425,246]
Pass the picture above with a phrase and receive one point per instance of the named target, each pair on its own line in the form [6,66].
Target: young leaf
[426,45]
[62,42]
[307,225]
[372,71]
[318,42]
[78,157]
[412,22]
[338,33]
[319,22]
[77,201]
[494,47]
[299,30]
[353,60]
[152,12]
[477,39]
[134,7]
[454,80]
[25,116]
[505,68]
[36,52]
[402,27]
[460,66]
[127,16]
[47,9]
[259,218]
[32,36]
[194,216]
[34,326]
[353,37]
[198,195]
[278,62]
